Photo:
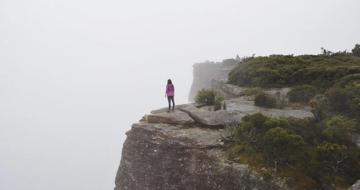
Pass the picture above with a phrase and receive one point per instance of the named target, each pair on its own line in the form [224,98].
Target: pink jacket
[170,90]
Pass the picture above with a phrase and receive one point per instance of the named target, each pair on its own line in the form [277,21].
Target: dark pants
[171,99]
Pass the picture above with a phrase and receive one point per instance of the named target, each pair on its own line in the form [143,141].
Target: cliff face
[166,157]
[204,73]
[185,150]
[162,156]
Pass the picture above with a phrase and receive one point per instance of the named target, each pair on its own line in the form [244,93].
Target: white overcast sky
[74,74]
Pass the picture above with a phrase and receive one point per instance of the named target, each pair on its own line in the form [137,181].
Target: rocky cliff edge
[184,149]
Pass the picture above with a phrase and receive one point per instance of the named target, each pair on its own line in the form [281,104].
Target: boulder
[356,139]
[176,117]
[356,186]
[166,157]
[228,91]
[212,119]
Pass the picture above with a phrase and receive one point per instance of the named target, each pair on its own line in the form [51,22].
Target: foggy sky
[74,74]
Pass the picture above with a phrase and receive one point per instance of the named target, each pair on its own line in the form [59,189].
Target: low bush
[339,129]
[321,71]
[302,94]
[206,97]
[210,98]
[338,100]
[283,147]
[311,153]
[265,100]
[218,104]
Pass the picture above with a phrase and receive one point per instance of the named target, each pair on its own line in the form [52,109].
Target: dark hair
[169,81]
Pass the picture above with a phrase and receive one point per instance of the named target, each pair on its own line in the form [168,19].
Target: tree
[265,100]
[332,156]
[338,99]
[356,50]
[282,147]
[325,51]
[339,129]
[252,129]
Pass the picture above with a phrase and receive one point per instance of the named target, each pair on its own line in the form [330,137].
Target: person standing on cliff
[170,92]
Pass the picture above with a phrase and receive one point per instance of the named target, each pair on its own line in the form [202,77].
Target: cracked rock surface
[184,150]
[167,157]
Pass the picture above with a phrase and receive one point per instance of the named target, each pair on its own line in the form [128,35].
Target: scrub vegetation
[314,153]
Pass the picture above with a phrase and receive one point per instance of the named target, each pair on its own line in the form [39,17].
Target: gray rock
[247,107]
[228,91]
[212,119]
[166,157]
[165,109]
[282,92]
[356,186]
[176,117]
[356,139]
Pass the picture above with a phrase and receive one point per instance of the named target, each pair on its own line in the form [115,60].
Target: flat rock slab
[165,109]
[167,157]
[177,117]
[196,137]
[212,119]
[248,107]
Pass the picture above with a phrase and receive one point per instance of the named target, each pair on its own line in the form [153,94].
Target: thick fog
[74,74]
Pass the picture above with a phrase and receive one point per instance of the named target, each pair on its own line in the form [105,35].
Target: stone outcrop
[184,149]
[356,186]
[211,119]
[203,73]
[173,157]
[176,117]
[239,105]
[229,91]
[356,139]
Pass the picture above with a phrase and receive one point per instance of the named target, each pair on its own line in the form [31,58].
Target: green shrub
[230,130]
[283,147]
[339,129]
[206,97]
[350,81]
[218,104]
[264,100]
[287,70]
[332,155]
[209,97]
[302,94]
[251,129]
[309,152]
[338,100]
[344,96]
[319,107]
